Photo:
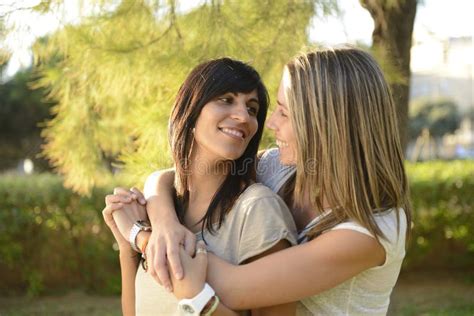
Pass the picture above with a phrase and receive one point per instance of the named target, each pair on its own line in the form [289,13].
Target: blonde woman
[339,167]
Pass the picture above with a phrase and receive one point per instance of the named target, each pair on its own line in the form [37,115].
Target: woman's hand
[120,213]
[123,196]
[168,237]
[122,242]
[195,270]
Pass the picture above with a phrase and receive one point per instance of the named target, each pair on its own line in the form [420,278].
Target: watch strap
[137,227]
[194,306]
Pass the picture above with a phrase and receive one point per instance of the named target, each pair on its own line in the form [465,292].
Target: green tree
[438,116]
[120,67]
[22,109]
[391,43]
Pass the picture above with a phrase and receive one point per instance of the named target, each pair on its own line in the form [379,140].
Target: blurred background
[86,87]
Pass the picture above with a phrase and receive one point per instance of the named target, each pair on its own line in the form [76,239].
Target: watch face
[188,309]
[145,225]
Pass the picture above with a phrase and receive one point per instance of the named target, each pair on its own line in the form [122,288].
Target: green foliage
[443,201]
[120,68]
[22,109]
[52,238]
[438,116]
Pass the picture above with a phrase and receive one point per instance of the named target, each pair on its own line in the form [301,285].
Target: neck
[304,212]
[203,184]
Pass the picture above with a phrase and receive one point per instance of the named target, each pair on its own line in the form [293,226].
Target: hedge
[52,239]
[442,195]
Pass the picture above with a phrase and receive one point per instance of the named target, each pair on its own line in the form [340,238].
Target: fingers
[138,195]
[201,256]
[109,209]
[157,266]
[162,273]
[201,249]
[127,196]
[119,190]
[150,256]
[111,198]
[190,244]
[175,260]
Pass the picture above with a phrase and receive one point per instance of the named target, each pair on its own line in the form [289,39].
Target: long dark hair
[206,82]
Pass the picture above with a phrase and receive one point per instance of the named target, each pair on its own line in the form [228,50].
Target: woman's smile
[233,132]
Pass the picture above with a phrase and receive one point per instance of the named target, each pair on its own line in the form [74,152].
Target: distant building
[443,68]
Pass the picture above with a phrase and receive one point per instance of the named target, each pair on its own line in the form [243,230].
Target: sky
[436,18]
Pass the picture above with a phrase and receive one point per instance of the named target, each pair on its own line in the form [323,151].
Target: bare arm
[286,309]
[128,257]
[128,269]
[168,234]
[160,204]
[282,309]
[303,270]
[195,275]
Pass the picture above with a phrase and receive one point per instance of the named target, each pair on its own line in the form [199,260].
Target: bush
[443,198]
[52,239]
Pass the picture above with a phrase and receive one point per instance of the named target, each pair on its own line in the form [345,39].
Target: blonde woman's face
[280,123]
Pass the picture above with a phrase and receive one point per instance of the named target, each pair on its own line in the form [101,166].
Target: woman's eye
[252,110]
[282,114]
[226,99]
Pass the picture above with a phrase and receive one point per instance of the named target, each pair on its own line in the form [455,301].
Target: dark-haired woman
[215,129]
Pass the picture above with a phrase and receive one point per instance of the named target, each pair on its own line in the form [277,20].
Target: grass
[74,303]
[422,293]
[434,293]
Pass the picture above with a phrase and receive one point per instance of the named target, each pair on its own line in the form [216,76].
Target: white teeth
[281,144]
[233,132]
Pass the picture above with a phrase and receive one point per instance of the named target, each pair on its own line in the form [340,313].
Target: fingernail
[169,288]
[178,275]
[143,201]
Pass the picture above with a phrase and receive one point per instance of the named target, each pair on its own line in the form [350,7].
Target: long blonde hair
[348,144]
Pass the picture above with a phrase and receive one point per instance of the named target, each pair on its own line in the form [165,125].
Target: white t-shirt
[367,293]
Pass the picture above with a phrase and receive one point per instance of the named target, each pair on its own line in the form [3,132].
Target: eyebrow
[250,100]
[254,100]
[281,104]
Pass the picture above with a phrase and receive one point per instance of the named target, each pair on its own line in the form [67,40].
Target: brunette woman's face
[225,127]
[280,123]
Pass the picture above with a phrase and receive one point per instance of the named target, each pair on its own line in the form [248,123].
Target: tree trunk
[391,39]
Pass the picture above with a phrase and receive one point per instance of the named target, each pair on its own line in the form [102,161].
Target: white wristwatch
[136,228]
[194,306]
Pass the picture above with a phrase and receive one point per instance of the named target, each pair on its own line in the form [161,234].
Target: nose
[240,112]
[271,122]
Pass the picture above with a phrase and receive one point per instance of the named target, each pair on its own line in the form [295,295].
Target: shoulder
[268,157]
[257,193]
[149,188]
[262,219]
[392,223]
[271,172]
[259,200]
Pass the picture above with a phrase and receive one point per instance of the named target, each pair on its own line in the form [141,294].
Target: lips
[234,132]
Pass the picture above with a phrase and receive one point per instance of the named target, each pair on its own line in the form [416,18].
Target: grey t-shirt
[271,172]
[258,220]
